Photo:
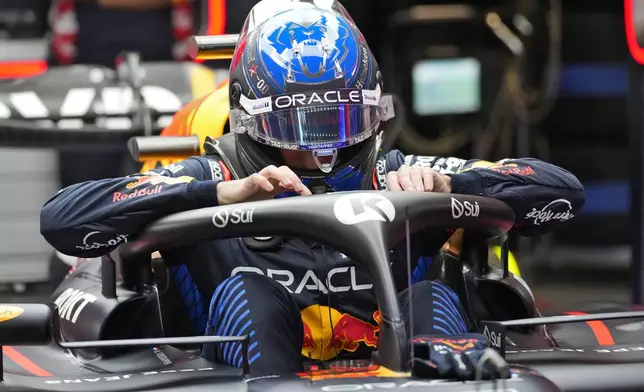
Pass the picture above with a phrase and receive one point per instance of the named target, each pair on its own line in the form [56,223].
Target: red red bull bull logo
[155,180]
[328,332]
[513,168]
[120,196]
[505,168]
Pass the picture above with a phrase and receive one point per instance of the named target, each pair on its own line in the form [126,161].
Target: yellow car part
[513,266]
[205,116]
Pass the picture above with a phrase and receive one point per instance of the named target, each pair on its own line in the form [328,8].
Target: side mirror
[158,148]
[215,47]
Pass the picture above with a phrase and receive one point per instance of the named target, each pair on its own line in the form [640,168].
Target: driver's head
[305,91]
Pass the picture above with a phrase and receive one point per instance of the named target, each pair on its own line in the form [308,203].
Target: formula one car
[105,330]
[135,98]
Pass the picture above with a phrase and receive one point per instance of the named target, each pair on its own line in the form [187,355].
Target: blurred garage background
[552,79]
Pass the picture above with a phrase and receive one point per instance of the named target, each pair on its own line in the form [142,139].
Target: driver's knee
[436,309]
[261,308]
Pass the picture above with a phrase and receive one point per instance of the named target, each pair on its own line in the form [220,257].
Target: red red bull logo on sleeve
[504,167]
[120,196]
[155,180]
[328,332]
[513,168]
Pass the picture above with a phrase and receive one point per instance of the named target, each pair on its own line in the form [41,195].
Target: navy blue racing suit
[300,298]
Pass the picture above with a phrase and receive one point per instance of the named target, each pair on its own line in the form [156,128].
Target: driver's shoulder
[202,168]
[213,167]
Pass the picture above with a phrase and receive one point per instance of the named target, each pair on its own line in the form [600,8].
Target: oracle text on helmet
[326,98]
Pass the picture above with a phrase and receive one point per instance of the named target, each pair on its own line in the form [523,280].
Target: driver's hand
[418,179]
[266,184]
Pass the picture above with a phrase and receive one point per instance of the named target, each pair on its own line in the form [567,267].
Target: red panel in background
[634,23]
[22,69]
[216,20]
[216,17]
[28,68]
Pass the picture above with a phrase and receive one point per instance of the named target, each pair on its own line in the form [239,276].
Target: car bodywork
[104,332]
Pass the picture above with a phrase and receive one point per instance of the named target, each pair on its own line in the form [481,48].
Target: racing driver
[306,103]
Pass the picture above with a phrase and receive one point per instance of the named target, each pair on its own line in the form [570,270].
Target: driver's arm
[92,218]
[542,195]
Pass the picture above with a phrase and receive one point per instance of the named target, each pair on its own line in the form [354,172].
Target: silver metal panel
[27,179]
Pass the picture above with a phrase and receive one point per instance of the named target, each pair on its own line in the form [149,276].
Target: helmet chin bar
[329,152]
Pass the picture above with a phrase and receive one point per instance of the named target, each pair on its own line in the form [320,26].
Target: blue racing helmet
[303,78]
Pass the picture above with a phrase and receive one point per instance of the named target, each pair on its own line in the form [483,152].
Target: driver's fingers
[404,178]
[278,175]
[285,178]
[296,183]
[440,183]
[302,189]
[416,175]
[392,182]
[428,179]
[260,181]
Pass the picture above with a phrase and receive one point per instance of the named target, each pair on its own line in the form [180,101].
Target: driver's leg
[436,309]
[257,306]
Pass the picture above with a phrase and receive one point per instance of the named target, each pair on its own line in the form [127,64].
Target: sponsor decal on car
[8,312]
[607,350]
[71,303]
[122,377]
[464,208]
[88,245]
[362,207]
[161,356]
[557,210]
[494,338]
[224,217]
